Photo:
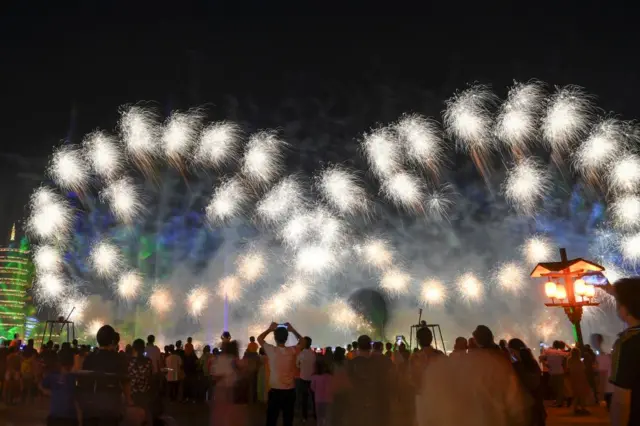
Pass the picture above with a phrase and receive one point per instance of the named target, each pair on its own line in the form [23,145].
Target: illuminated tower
[16,271]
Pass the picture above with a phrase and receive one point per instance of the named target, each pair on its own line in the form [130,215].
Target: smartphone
[282,325]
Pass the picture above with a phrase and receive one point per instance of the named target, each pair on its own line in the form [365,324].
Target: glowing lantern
[580,287]
[550,289]
[561,293]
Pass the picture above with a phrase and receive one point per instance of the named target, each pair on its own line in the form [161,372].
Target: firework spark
[383,152]
[296,289]
[422,140]
[74,307]
[517,121]
[433,292]
[330,231]
[262,161]
[296,229]
[624,176]
[567,118]
[230,288]
[47,259]
[468,119]
[630,247]
[315,259]
[68,168]
[197,301]
[510,277]
[344,318]
[251,266]
[161,300]
[49,288]
[275,306]
[395,281]
[103,153]
[605,141]
[626,211]
[470,287]
[286,196]
[50,217]
[219,144]
[129,285]
[106,259]
[124,199]
[228,200]
[405,191]
[94,326]
[526,185]
[139,130]
[376,253]
[179,134]
[439,202]
[537,249]
[343,191]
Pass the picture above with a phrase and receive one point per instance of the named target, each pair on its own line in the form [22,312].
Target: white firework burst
[230,288]
[605,142]
[219,144]
[106,259]
[263,158]
[161,300]
[124,199]
[50,218]
[94,326]
[251,266]
[468,119]
[537,248]
[296,289]
[422,141]
[439,201]
[74,308]
[329,230]
[228,200]
[129,285]
[343,191]
[526,185]
[624,175]
[395,281]
[139,131]
[295,231]
[47,259]
[275,307]
[377,253]
[383,152]
[315,260]
[179,134]
[517,120]
[433,292]
[405,190]
[50,289]
[69,169]
[104,154]
[197,301]
[626,211]
[630,248]
[567,118]
[470,287]
[285,197]
[510,277]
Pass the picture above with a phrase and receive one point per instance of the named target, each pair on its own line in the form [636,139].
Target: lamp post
[566,288]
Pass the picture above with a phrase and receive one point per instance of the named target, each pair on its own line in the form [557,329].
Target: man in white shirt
[307,364]
[153,353]
[282,364]
[556,359]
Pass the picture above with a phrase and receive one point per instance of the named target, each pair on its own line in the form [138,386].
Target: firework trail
[517,123]
[263,159]
[219,145]
[383,152]
[567,118]
[342,190]
[423,142]
[103,154]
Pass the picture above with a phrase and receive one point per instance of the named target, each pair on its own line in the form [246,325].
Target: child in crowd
[322,388]
[60,386]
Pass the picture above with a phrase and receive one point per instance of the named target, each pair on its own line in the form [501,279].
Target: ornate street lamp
[567,289]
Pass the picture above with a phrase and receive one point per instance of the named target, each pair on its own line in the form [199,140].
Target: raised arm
[301,343]
[265,333]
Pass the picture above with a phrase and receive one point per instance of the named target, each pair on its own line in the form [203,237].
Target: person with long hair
[528,371]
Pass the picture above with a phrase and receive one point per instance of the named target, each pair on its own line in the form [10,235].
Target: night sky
[64,72]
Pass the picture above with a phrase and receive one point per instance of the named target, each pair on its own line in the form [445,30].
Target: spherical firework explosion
[470,287]
[433,293]
[525,186]
[342,190]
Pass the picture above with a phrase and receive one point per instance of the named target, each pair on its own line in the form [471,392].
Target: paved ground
[198,415]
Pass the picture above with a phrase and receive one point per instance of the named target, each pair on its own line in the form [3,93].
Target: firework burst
[49,288]
[343,191]
[228,201]
[129,285]
[383,152]
[161,300]
[230,288]
[605,141]
[197,301]
[179,135]
[106,259]
[626,211]
[517,120]
[526,185]
[219,145]
[50,216]
[468,119]
[124,198]
[377,253]
[263,159]
[470,287]
[74,308]
[405,190]
[103,153]
[315,260]
[296,289]
[68,168]
[139,131]
[567,118]
[510,277]
[630,247]
[94,326]
[395,281]
[275,306]
[439,201]
[537,249]
[251,266]
[47,259]
[624,176]
[433,293]
[286,196]
[422,141]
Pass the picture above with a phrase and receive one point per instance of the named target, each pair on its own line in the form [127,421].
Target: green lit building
[16,274]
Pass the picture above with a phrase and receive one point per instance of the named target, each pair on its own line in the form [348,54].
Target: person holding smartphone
[282,365]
